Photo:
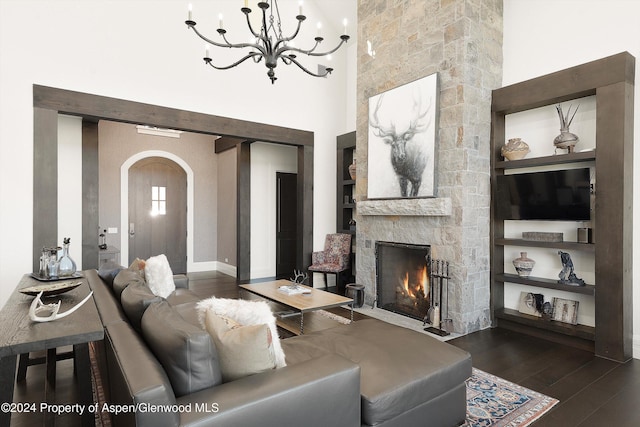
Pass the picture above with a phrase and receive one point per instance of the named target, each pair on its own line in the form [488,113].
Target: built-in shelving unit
[611,81]
[346,192]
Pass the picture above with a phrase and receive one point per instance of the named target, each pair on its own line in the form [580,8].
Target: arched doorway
[156,212]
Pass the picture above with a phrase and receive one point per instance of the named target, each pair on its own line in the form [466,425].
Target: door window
[158,201]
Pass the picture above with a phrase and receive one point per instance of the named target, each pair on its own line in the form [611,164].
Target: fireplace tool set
[438,286]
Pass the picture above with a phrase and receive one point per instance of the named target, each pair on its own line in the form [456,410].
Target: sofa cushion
[400,368]
[108,272]
[135,300]
[186,351]
[246,313]
[124,279]
[243,350]
[159,276]
[182,296]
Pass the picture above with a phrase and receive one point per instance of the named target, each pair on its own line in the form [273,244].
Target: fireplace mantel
[406,207]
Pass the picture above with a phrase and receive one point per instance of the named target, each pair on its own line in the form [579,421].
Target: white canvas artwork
[402,136]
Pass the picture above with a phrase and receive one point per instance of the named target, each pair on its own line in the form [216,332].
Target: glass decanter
[66,265]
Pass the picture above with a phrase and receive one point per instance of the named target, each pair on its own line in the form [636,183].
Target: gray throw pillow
[108,272]
[186,351]
[124,279]
[135,299]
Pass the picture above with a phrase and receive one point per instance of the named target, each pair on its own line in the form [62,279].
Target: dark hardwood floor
[593,392]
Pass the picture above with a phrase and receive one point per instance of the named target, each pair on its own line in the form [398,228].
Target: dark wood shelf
[588,247]
[546,283]
[579,331]
[559,159]
[611,81]
[345,157]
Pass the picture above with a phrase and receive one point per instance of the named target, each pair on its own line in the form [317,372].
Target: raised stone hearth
[461,40]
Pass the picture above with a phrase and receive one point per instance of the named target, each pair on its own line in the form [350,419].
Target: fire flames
[416,288]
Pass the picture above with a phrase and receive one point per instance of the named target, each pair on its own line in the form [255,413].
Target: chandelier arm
[295,34]
[227,44]
[268,46]
[242,45]
[209,40]
[342,41]
[293,60]
[295,49]
[250,55]
[246,12]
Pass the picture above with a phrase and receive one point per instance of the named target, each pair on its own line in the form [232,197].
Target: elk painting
[402,124]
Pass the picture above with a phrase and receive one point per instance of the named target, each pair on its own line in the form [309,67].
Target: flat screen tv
[562,195]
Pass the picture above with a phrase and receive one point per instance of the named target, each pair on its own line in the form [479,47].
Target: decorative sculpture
[299,277]
[38,307]
[567,275]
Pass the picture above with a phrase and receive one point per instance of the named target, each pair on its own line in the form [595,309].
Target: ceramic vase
[566,139]
[352,170]
[523,265]
[514,149]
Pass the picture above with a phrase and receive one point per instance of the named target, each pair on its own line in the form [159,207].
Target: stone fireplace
[461,40]
[402,279]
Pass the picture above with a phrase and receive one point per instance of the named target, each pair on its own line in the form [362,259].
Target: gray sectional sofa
[159,368]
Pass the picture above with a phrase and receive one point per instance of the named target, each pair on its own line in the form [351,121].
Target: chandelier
[269,43]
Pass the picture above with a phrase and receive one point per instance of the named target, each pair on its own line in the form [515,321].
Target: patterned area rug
[340,319]
[493,401]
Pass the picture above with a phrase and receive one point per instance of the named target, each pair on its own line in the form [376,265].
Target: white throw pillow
[159,276]
[242,350]
[245,313]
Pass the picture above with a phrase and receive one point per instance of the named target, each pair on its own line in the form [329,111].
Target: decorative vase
[66,265]
[523,265]
[514,149]
[352,169]
[566,140]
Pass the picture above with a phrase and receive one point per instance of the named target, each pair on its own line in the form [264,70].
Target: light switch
[112,230]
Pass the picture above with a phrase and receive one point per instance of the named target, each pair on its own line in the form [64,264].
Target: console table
[19,335]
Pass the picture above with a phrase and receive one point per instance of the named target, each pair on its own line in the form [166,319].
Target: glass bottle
[66,265]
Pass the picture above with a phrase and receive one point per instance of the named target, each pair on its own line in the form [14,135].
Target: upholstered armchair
[334,259]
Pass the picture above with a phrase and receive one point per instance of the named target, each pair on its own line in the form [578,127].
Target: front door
[158,211]
[286,224]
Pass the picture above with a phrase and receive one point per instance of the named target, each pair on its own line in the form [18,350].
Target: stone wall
[461,40]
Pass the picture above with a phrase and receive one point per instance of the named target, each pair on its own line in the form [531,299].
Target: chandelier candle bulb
[190,11]
[344,22]
[300,8]
[220,17]
[319,29]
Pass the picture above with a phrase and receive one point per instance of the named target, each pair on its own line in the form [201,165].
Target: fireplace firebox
[402,278]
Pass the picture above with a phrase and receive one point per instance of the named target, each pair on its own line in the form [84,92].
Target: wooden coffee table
[298,304]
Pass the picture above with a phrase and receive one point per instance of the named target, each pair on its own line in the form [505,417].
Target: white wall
[266,160]
[70,185]
[142,51]
[544,36]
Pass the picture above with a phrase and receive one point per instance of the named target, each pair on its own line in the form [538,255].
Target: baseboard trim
[197,267]
[230,270]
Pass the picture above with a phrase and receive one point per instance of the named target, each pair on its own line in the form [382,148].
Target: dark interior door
[286,224]
[158,212]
